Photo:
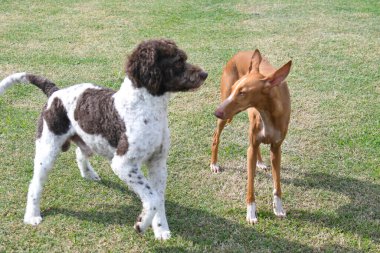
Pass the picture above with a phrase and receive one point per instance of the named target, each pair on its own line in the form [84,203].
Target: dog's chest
[146,123]
[146,134]
[267,131]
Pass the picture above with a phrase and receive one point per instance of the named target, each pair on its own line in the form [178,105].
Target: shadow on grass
[105,214]
[361,216]
[212,233]
[206,231]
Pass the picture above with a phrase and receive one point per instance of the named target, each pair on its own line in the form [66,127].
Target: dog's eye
[241,94]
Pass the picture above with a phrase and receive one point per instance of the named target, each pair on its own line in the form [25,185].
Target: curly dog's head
[160,66]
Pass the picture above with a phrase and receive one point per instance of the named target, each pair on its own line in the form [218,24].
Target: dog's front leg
[157,177]
[275,153]
[215,145]
[130,172]
[251,171]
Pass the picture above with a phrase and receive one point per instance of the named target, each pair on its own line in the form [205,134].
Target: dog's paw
[161,231]
[261,165]
[33,220]
[137,228]
[252,220]
[140,228]
[251,214]
[89,173]
[277,207]
[215,168]
[96,178]
[137,225]
[162,235]
[92,175]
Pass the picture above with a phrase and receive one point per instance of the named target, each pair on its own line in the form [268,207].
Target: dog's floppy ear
[279,76]
[255,61]
[142,67]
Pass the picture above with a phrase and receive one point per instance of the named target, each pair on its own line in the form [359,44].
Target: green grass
[331,165]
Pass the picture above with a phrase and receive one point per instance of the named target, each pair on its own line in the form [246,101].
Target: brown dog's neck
[274,110]
[270,102]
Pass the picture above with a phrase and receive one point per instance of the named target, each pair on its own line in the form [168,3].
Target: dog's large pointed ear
[143,69]
[279,76]
[255,61]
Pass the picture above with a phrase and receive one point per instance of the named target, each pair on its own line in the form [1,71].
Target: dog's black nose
[219,114]
[203,75]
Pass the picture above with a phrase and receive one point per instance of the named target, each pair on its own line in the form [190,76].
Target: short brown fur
[249,81]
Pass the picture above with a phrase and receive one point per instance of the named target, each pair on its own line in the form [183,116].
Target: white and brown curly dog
[129,127]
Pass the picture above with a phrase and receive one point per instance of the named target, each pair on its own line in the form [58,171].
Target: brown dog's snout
[219,113]
[203,75]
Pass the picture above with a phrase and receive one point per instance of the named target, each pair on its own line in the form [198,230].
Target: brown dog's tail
[44,84]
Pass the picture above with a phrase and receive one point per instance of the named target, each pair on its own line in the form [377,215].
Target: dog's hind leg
[84,165]
[260,163]
[83,152]
[47,150]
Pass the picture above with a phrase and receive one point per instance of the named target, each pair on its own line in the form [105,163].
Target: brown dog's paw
[215,168]
[278,208]
[251,214]
[262,165]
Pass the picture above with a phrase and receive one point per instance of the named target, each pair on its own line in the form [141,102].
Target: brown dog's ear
[255,61]
[279,76]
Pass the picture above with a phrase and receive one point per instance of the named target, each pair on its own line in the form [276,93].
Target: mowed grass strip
[331,166]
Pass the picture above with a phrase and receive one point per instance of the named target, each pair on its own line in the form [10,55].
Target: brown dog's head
[160,66]
[251,89]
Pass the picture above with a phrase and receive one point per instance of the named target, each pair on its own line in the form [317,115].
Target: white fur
[277,207]
[261,165]
[47,150]
[85,167]
[12,79]
[215,168]
[145,118]
[148,137]
[251,213]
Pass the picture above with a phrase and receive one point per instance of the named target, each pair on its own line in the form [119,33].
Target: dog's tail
[44,84]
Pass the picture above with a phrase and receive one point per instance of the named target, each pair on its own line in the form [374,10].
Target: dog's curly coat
[129,126]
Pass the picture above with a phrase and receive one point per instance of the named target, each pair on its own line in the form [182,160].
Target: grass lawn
[331,157]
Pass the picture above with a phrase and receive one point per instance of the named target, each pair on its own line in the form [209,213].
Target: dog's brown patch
[96,114]
[56,118]
[122,147]
[82,145]
[65,146]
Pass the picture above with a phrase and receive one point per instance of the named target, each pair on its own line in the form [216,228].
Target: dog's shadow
[105,214]
[361,216]
[204,229]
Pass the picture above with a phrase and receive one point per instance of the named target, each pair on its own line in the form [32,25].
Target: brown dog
[250,82]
